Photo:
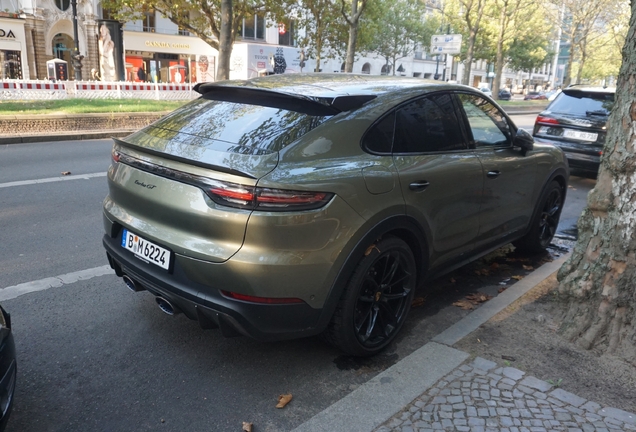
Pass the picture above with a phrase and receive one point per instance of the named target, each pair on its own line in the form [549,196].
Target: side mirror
[524,140]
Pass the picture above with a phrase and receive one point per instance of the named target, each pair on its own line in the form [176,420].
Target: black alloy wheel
[377,299]
[545,222]
[549,219]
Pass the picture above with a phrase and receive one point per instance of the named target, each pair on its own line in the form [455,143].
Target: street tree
[216,22]
[599,280]
[529,51]
[353,21]
[324,28]
[511,19]
[579,22]
[397,28]
[604,59]
[466,16]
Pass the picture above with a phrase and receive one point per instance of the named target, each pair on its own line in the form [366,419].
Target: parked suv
[576,121]
[293,205]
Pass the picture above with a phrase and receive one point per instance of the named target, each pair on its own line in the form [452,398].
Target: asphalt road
[93,356]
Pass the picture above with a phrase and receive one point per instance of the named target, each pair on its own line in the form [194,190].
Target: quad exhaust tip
[167,307]
[131,285]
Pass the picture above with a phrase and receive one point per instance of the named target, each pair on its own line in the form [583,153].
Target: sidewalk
[439,388]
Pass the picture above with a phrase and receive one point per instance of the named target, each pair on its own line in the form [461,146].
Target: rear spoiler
[288,101]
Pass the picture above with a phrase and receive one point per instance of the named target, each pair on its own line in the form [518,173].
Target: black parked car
[576,121]
[7,368]
[504,95]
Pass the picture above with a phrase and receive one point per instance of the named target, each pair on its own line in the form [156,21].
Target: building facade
[154,49]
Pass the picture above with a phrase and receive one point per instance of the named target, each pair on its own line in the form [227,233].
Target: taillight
[546,120]
[263,300]
[115,155]
[265,199]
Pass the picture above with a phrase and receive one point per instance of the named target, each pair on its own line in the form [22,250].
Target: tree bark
[353,22]
[599,279]
[473,29]
[225,40]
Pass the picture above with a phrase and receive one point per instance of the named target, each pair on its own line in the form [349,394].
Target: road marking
[52,179]
[14,291]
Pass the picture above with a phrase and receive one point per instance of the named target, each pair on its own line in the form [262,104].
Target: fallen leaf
[464,304]
[247,427]
[66,173]
[283,400]
[517,277]
[509,358]
[418,301]
[482,272]
[502,289]
[494,266]
[369,249]
[527,267]
[452,280]
[478,298]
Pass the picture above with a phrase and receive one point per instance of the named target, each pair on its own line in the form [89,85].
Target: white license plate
[146,250]
[583,136]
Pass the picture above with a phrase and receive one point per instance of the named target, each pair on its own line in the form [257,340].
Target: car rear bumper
[209,306]
[583,157]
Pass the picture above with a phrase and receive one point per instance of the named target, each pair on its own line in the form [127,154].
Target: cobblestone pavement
[480,396]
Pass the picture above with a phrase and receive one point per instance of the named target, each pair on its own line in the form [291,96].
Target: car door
[440,177]
[509,181]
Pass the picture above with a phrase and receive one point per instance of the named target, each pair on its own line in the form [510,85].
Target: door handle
[419,186]
[493,174]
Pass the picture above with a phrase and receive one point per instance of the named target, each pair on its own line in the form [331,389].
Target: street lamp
[76,57]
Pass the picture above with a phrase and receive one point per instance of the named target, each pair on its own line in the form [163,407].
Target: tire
[545,221]
[376,300]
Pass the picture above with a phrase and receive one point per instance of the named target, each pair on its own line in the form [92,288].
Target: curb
[386,394]
[65,136]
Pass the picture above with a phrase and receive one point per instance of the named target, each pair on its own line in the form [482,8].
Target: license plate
[583,136]
[146,250]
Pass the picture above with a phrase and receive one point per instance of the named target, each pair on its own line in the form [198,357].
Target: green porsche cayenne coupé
[303,204]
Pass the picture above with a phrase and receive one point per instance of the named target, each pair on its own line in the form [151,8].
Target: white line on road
[52,179]
[14,291]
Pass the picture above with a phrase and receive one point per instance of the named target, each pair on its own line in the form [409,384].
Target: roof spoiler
[288,101]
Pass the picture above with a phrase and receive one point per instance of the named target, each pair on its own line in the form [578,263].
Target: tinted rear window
[583,103]
[253,126]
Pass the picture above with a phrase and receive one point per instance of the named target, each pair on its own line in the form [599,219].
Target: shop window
[253,27]
[11,65]
[287,33]
[62,4]
[149,21]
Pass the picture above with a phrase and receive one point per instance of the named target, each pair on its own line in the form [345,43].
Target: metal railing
[47,90]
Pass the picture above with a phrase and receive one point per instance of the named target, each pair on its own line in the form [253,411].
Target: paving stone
[536,384]
[483,364]
[567,397]
[621,415]
[513,373]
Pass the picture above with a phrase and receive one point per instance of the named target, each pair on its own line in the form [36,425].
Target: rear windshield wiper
[597,113]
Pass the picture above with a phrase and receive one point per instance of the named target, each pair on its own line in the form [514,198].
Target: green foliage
[529,51]
[394,29]
[83,106]
[325,28]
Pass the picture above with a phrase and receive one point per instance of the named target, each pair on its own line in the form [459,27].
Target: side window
[379,139]
[488,125]
[428,124]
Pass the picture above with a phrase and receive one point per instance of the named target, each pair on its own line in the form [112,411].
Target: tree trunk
[499,60]
[353,31]
[473,27]
[225,41]
[599,279]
